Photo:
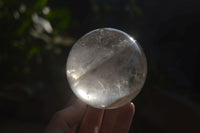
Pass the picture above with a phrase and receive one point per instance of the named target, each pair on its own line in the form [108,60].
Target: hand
[92,120]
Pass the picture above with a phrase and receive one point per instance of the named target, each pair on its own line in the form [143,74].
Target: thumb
[63,121]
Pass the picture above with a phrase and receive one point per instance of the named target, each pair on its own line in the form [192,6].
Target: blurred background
[37,35]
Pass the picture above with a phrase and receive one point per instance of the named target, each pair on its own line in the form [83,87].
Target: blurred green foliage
[30,30]
[38,30]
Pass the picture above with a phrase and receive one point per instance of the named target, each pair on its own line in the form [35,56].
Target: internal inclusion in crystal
[106,68]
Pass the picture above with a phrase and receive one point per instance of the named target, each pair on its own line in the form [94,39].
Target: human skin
[80,118]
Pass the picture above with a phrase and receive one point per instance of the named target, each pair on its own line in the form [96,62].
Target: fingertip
[132,106]
[133,109]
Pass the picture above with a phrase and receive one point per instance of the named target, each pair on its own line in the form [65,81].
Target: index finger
[118,120]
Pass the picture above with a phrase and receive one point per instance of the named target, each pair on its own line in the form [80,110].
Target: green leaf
[60,18]
[33,51]
[25,24]
[40,4]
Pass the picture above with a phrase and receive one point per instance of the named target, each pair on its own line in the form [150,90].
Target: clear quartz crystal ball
[106,68]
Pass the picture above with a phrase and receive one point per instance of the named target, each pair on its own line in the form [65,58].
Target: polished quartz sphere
[106,68]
